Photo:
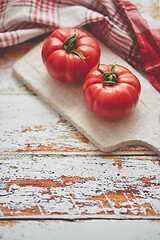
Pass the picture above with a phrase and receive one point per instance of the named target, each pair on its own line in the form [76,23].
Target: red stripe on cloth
[151,56]
[149,45]
[7,38]
[12,38]
[3,4]
[44,12]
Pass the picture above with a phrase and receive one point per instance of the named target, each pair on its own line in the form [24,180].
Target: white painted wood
[85,230]
[120,187]
[28,124]
[9,84]
[140,128]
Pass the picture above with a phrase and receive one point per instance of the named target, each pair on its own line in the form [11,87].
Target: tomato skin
[111,102]
[66,66]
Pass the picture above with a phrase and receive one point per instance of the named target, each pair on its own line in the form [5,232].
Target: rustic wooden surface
[51,171]
[52,177]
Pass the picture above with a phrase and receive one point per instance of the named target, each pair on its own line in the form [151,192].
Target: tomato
[111,91]
[69,54]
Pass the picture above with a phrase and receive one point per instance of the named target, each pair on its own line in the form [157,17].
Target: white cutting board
[141,127]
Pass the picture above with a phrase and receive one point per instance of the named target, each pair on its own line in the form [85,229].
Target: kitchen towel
[117,23]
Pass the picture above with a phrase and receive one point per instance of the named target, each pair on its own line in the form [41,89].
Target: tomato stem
[111,77]
[70,45]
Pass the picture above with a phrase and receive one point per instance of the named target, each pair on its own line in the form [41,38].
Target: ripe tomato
[111,91]
[69,54]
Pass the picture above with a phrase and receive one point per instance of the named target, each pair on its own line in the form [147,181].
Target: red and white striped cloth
[117,23]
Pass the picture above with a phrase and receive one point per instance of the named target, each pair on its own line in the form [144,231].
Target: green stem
[111,77]
[70,45]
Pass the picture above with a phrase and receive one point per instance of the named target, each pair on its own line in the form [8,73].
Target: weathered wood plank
[29,125]
[95,229]
[79,185]
[8,83]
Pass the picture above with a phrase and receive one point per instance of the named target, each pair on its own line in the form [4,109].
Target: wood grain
[74,185]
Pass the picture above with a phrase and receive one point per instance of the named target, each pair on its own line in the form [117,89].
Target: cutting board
[141,127]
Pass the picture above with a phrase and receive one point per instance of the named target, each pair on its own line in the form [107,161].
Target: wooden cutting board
[141,127]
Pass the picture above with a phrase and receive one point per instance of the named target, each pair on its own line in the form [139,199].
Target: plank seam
[78,154]
[75,218]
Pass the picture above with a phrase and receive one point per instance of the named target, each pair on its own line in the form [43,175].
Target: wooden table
[52,177]
[55,184]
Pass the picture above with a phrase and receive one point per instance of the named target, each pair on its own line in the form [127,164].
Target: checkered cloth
[117,23]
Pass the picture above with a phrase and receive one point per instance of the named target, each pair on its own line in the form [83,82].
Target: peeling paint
[48,185]
[9,223]
[118,162]
[76,179]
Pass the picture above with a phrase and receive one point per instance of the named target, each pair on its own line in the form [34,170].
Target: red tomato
[111,91]
[69,54]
